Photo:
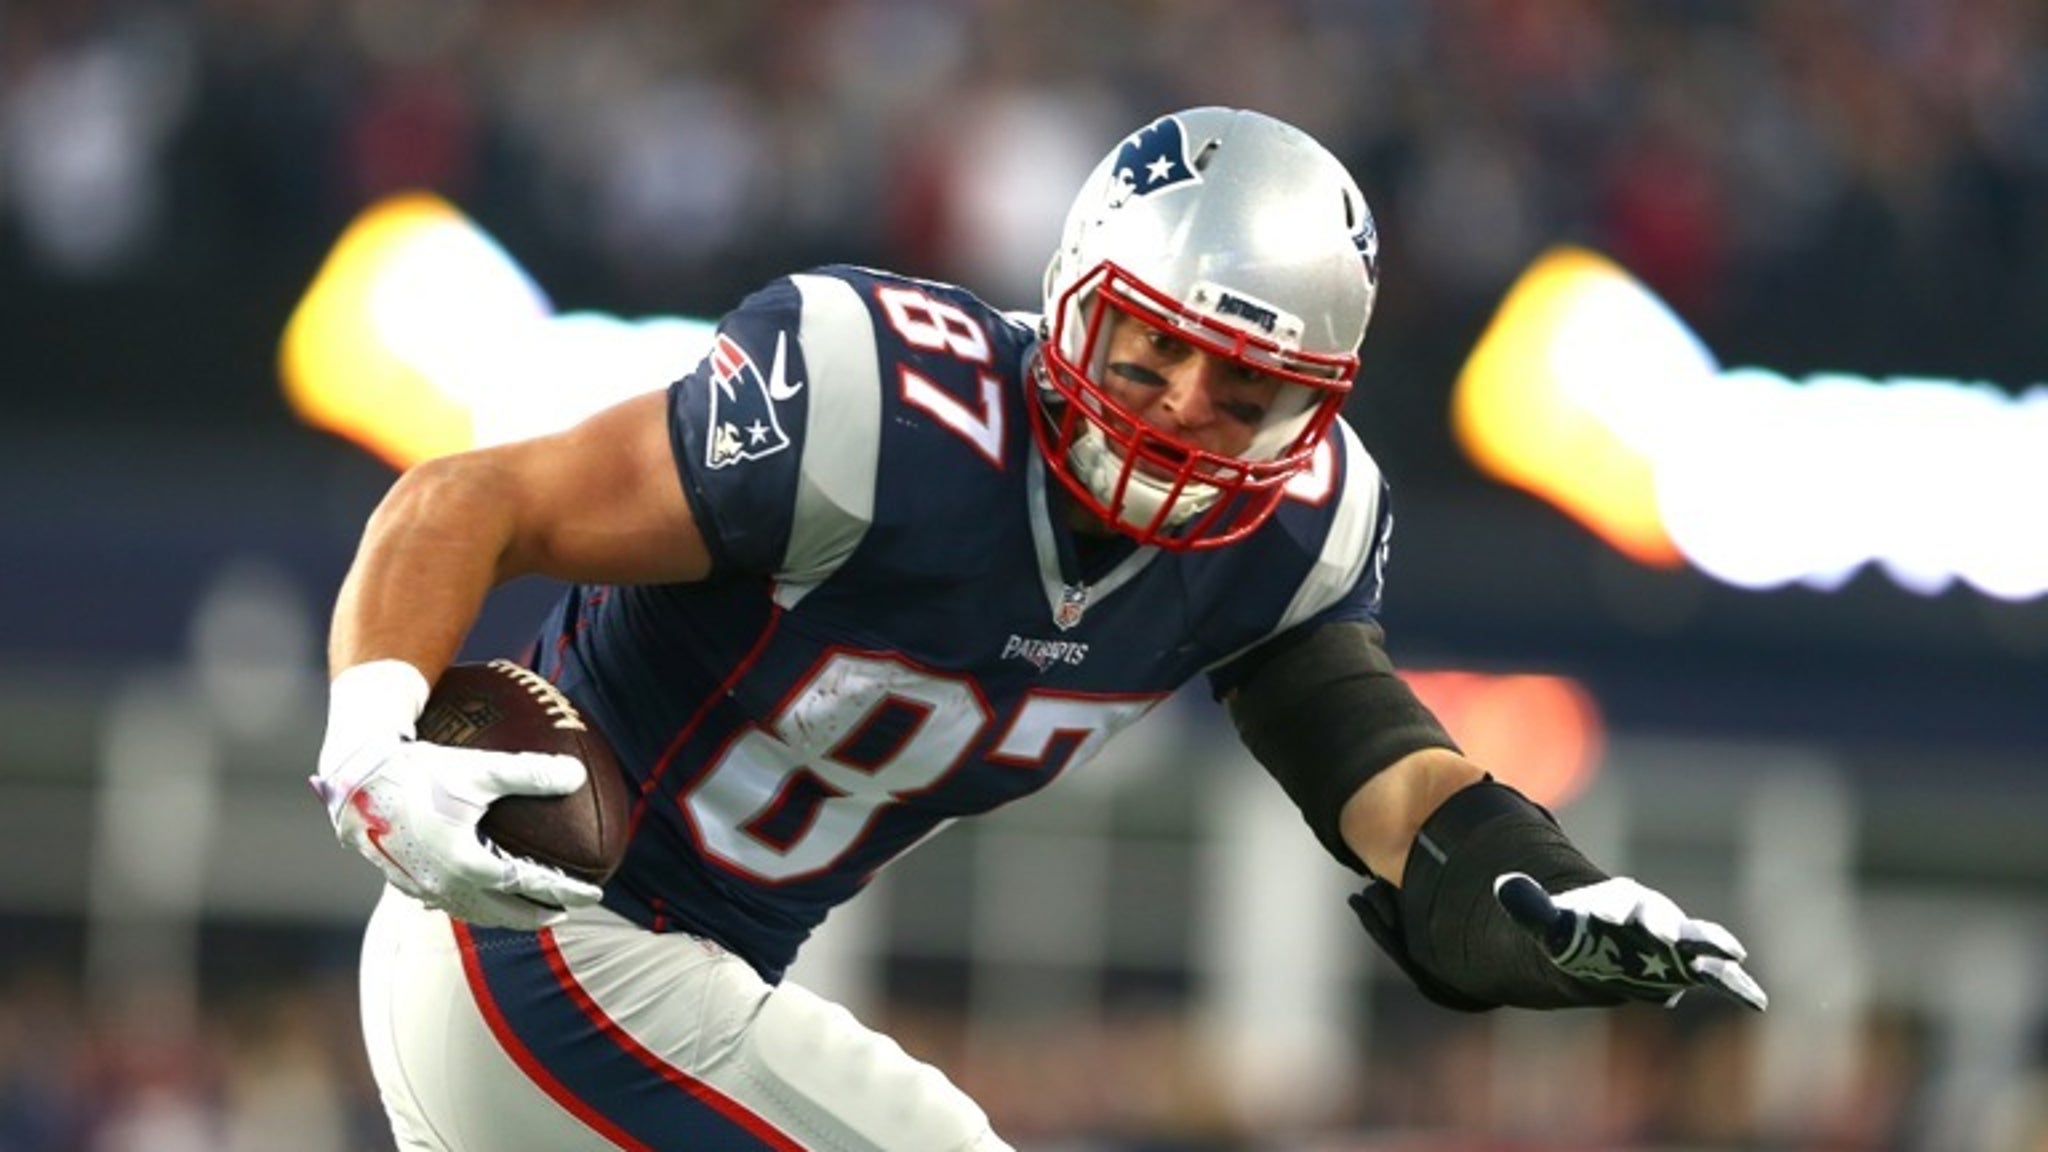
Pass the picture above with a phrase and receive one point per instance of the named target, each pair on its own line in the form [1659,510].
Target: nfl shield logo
[1073,603]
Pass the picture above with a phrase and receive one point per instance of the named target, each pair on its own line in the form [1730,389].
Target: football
[504,707]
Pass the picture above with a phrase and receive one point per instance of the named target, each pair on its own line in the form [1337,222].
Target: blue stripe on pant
[582,1058]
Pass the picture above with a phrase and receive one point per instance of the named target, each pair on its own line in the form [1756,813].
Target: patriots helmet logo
[1151,160]
[1367,239]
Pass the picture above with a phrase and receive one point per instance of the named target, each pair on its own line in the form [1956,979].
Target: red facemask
[1145,481]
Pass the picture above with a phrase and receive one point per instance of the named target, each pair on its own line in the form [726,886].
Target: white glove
[1629,939]
[411,808]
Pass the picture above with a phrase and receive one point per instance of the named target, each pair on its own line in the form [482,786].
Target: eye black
[1136,374]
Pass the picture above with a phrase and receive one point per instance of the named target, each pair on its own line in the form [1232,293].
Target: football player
[887,557]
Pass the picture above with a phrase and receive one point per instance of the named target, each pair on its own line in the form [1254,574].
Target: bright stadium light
[1586,390]
[421,336]
[1543,734]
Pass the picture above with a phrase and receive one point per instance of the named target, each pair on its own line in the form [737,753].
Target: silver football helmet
[1240,235]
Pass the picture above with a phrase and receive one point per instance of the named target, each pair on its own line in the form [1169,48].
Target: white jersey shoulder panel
[835,501]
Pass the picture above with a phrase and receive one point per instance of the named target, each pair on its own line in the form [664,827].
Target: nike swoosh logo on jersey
[778,389]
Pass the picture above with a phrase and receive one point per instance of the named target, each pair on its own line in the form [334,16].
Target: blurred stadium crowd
[1855,183]
[1861,183]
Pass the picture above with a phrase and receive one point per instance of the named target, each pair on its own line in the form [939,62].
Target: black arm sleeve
[1324,712]
[1443,925]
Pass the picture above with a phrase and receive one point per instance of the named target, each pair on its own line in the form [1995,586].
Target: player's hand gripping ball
[504,707]
[489,797]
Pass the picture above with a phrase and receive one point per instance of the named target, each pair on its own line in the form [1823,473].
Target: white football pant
[597,1034]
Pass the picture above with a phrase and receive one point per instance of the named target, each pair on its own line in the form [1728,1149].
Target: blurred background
[1847,770]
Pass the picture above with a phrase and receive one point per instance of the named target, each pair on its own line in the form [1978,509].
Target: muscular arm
[1381,819]
[1384,788]
[600,502]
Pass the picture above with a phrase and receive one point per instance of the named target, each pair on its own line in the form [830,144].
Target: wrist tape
[366,705]
[1443,925]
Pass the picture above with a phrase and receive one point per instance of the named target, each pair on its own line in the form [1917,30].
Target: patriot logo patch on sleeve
[742,423]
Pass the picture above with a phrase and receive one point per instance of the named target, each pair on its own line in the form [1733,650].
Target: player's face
[1198,398]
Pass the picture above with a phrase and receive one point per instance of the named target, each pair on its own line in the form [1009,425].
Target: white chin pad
[1101,469]
[819,1058]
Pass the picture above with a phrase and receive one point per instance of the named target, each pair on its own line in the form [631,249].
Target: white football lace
[557,705]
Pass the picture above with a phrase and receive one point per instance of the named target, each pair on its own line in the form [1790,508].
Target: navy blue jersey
[901,628]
